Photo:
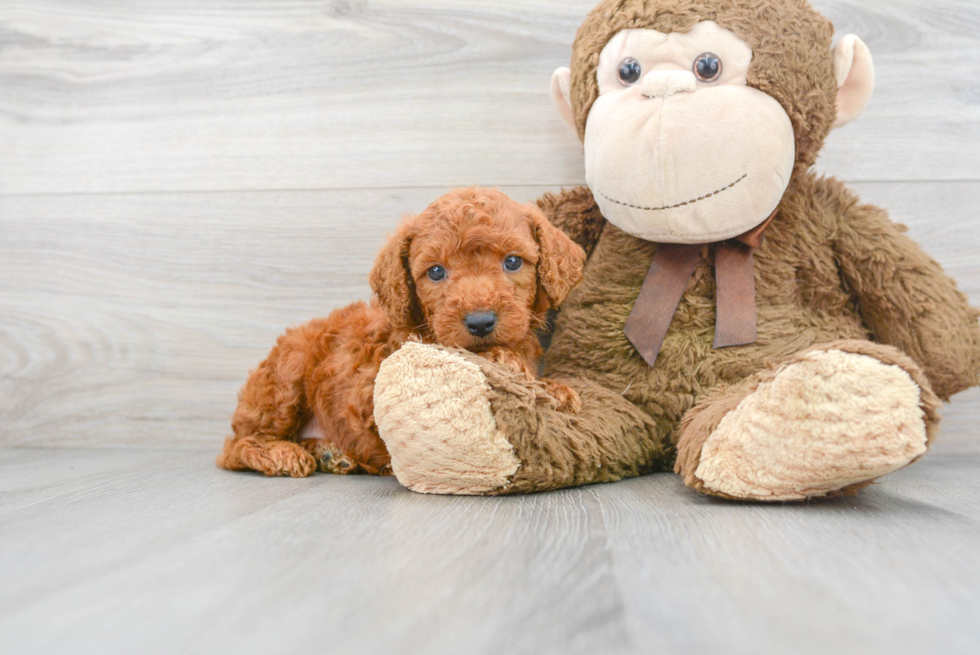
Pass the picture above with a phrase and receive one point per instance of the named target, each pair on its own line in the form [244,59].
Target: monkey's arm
[906,299]
[575,213]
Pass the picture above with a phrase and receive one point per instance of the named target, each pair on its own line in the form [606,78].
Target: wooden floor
[154,551]
[182,179]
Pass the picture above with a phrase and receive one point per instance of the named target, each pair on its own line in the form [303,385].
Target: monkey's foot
[829,422]
[432,408]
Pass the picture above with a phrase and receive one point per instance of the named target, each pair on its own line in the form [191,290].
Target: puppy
[475,270]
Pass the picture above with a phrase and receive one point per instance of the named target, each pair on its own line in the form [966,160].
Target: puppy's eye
[513,263]
[707,67]
[629,71]
[436,273]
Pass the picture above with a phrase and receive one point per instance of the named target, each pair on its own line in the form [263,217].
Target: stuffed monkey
[742,321]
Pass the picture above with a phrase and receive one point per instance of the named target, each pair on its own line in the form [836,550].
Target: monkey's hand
[906,298]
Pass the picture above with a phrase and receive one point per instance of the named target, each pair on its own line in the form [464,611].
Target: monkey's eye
[629,71]
[436,273]
[707,67]
[513,263]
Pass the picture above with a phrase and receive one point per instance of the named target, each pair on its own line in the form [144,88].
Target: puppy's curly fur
[321,374]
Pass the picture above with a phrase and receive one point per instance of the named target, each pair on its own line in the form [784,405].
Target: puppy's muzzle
[480,324]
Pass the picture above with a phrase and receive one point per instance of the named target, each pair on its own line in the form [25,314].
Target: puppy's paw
[567,398]
[509,359]
[273,458]
[338,464]
[289,459]
[329,458]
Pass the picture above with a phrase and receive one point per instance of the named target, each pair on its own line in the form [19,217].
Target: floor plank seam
[433,187]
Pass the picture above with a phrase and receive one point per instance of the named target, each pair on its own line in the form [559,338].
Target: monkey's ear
[391,280]
[561,95]
[855,73]
[560,262]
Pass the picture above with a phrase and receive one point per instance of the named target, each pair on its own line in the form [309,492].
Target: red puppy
[475,270]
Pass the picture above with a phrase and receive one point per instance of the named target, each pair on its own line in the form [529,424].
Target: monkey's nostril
[480,324]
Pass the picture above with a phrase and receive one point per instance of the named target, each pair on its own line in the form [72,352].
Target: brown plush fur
[325,370]
[831,273]
[829,269]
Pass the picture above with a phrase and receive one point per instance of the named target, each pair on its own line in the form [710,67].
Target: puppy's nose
[480,324]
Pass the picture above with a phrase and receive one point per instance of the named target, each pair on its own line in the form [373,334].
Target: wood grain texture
[158,552]
[182,95]
[133,319]
[182,179]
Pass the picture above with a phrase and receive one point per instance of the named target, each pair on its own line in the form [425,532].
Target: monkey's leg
[271,409]
[827,422]
[456,423]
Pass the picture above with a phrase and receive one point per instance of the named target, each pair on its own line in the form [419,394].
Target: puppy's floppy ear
[559,264]
[391,279]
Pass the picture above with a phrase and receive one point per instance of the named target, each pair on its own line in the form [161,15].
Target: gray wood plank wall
[180,179]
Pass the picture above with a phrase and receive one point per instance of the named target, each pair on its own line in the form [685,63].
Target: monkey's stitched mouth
[680,204]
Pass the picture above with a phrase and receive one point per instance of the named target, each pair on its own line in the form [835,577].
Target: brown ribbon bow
[672,267]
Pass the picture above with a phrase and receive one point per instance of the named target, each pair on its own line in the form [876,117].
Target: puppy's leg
[349,441]
[328,455]
[272,407]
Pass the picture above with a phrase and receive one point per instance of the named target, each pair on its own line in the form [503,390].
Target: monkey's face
[693,129]
[678,149]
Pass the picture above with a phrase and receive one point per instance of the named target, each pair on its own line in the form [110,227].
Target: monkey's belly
[589,342]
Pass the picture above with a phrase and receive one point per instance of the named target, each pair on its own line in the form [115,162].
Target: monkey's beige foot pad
[830,420]
[433,412]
